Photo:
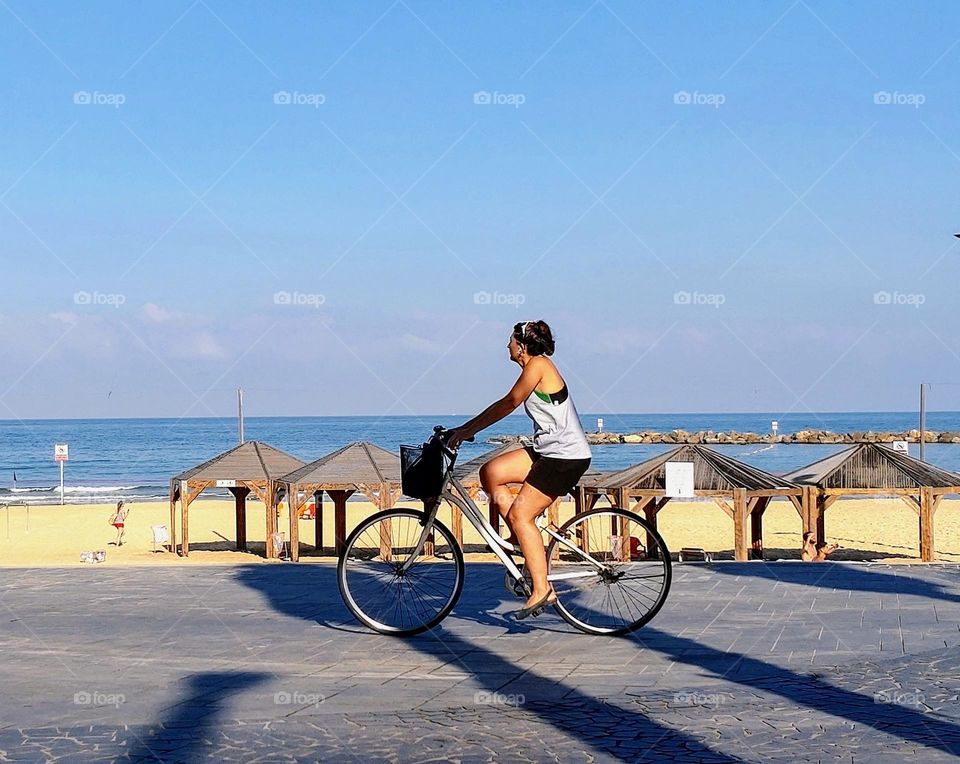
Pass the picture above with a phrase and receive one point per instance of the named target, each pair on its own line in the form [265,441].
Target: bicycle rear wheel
[622,585]
[384,595]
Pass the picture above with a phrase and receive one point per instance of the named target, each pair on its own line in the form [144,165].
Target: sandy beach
[868,529]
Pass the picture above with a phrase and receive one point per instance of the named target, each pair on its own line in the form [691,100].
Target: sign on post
[61,454]
[679,480]
[901,446]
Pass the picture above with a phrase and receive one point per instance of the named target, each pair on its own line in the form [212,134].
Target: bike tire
[351,577]
[644,611]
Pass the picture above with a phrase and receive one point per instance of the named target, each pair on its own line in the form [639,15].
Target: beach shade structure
[249,467]
[875,469]
[359,467]
[740,490]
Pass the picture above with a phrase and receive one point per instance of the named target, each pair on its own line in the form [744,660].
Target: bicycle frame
[460,497]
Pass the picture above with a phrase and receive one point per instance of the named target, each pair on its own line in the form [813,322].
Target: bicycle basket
[421,470]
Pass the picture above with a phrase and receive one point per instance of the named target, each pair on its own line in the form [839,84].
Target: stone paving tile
[754,662]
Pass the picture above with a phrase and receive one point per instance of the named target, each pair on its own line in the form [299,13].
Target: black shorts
[553,476]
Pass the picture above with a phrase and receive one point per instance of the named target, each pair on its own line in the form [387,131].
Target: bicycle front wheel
[383,592]
[617,577]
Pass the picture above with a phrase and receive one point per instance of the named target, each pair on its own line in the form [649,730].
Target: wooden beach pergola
[875,469]
[250,467]
[359,467]
[740,490]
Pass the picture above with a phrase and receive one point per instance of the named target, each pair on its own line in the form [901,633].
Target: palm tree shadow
[180,736]
[807,690]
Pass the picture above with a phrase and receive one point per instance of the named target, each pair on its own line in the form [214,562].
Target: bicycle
[401,570]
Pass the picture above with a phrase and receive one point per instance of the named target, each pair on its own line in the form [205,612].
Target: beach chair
[161,536]
[279,545]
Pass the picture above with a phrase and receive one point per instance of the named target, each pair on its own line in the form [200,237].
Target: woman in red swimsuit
[118,521]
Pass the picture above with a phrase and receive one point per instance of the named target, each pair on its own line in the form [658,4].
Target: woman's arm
[526,383]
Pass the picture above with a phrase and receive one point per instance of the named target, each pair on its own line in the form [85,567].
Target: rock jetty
[743,438]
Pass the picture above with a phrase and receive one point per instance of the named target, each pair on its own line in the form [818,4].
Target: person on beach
[548,469]
[810,552]
[118,521]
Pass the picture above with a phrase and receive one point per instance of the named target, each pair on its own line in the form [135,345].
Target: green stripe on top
[545,397]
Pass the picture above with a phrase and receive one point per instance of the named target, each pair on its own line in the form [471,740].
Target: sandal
[536,608]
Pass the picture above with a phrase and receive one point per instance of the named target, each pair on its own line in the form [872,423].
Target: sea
[134,459]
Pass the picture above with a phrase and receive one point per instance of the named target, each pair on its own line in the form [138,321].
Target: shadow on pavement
[180,735]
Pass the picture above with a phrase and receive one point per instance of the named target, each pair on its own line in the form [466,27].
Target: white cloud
[203,346]
[421,344]
[156,314]
[64,317]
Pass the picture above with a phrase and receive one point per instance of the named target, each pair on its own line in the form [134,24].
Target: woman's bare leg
[498,474]
[526,508]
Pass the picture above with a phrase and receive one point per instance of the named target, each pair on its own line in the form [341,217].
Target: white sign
[61,452]
[679,479]
[226,484]
[901,445]
[774,425]
[599,424]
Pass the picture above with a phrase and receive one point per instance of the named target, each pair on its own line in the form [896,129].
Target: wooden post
[240,494]
[384,500]
[623,499]
[271,518]
[820,519]
[926,524]
[173,519]
[740,524]
[340,518]
[318,517]
[756,526]
[293,507]
[456,519]
[650,510]
[185,522]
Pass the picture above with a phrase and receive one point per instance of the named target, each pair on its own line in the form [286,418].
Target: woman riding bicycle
[559,457]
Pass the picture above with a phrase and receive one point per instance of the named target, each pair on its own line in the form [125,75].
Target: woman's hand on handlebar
[456,436]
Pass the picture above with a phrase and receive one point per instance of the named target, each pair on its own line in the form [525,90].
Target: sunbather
[810,552]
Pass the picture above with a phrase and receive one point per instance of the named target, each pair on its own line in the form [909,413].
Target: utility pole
[923,416]
[240,412]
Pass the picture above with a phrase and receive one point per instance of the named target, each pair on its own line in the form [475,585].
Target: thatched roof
[252,460]
[712,471]
[871,465]
[359,462]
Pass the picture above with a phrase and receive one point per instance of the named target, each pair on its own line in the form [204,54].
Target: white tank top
[556,426]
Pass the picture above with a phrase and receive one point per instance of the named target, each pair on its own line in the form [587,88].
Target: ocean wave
[104,489]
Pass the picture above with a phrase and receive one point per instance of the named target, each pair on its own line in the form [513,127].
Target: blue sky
[719,207]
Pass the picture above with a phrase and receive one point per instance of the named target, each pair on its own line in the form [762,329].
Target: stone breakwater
[743,438]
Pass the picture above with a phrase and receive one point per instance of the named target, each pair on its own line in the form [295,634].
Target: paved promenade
[747,662]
